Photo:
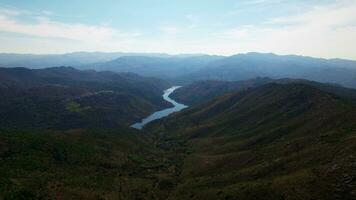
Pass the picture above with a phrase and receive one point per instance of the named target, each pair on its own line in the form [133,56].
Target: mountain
[252,65]
[167,67]
[66,98]
[64,132]
[276,141]
[200,92]
[187,68]
[84,60]
[203,91]
[77,59]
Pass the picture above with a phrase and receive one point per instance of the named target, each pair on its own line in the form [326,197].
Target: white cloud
[322,31]
[47,12]
[171,29]
[45,27]
[328,31]
[193,20]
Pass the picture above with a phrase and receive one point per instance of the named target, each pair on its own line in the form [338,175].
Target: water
[162,113]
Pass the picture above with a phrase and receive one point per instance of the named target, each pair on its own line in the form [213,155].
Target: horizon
[283,27]
[175,55]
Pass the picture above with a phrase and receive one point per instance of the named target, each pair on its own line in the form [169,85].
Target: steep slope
[66,98]
[251,65]
[203,91]
[277,141]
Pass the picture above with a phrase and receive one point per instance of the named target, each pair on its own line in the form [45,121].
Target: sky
[318,28]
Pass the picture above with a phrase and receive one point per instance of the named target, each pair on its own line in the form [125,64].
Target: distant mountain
[65,98]
[252,65]
[187,68]
[163,67]
[77,59]
[203,91]
[276,141]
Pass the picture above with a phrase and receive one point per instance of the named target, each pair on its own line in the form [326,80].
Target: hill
[66,98]
[203,91]
[277,141]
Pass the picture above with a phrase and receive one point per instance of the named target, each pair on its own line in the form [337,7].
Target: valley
[83,134]
[178,100]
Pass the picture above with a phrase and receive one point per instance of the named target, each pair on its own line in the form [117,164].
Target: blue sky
[315,28]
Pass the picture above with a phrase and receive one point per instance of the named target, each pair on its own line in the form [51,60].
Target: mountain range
[184,69]
[258,126]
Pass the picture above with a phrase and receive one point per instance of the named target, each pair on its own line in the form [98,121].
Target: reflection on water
[162,113]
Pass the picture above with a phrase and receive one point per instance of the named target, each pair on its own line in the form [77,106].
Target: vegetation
[66,98]
[277,141]
[64,135]
[204,91]
[78,164]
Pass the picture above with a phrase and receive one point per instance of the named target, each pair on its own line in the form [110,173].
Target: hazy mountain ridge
[80,60]
[76,59]
[185,69]
[252,65]
[163,67]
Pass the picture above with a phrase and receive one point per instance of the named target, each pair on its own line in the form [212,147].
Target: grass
[75,107]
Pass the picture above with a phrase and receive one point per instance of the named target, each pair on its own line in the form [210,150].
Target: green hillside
[66,98]
[203,91]
[79,164]
[279,140]
[289,141]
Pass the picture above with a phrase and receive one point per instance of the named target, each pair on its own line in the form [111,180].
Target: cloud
[171,29]
[254,2]
[9,11]
[191,22]
[47,12]
[45,27]
[194,21]
[324,31]
[327,30]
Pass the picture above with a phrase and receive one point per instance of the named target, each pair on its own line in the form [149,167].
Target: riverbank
[162,113]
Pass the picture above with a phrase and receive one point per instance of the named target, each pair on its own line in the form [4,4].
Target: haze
[324,29]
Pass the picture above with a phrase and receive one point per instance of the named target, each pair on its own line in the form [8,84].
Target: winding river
[162,113]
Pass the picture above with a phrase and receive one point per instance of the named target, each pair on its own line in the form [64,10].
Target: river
[162,113]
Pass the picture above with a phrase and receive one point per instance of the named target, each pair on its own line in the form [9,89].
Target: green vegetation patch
[75,107]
